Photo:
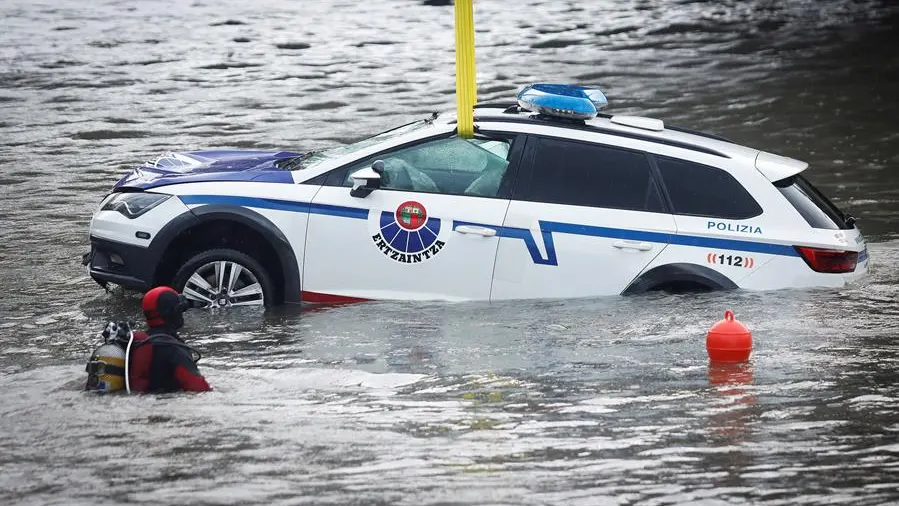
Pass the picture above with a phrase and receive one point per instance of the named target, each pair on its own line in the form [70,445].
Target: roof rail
[581,125]
[513,108]
[699,133]
[495,105]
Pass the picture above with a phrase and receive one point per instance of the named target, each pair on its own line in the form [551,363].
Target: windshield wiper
[297,161]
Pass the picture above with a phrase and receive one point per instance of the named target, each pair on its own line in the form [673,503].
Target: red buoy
[729,340]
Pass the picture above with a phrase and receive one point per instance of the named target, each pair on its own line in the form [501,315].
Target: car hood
[200,166]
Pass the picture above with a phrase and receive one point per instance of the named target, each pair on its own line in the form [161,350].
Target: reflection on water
[607,401]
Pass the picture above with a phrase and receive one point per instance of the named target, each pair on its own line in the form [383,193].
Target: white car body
[463,247]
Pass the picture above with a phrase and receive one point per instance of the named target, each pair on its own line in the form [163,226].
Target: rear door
[585,222]
[429,232]
[720,225]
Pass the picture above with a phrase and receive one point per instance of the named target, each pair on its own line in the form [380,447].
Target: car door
[585,222]
[412,238]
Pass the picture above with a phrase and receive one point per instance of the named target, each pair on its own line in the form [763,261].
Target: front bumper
[125,265]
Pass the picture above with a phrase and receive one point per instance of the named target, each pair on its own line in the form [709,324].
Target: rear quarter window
[700,190]
[813,205]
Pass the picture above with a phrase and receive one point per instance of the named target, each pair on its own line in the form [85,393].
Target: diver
[156,361]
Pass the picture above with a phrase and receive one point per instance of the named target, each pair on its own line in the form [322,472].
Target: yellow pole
[466,87]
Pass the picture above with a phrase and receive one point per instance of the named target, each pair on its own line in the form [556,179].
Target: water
[606,401]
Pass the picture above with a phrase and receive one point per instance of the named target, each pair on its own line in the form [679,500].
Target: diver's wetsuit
[161,362]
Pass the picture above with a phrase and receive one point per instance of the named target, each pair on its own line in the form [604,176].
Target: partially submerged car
[549,199]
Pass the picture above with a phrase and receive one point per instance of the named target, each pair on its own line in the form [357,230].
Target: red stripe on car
[327,298]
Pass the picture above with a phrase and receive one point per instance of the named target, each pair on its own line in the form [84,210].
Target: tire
[682,275]
[198,280]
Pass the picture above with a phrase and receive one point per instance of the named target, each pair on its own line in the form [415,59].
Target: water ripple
[607,401]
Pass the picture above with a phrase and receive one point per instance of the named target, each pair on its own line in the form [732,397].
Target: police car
[550,198]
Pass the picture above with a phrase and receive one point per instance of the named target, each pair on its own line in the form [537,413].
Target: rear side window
[700,190]
[816,208]
[583,174]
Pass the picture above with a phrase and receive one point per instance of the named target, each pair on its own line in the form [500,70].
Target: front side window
[700,190]
[451,165]
[582,174]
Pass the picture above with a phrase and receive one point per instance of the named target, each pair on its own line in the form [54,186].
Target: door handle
[637,245]
[475,230]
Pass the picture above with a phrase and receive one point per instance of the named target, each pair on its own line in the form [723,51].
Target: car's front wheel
[224,278]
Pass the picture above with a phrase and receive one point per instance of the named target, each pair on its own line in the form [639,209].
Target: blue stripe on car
[547,228]
[340,211]
[257,202]
[734,244]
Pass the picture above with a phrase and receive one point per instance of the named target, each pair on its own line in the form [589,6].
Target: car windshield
[313,158]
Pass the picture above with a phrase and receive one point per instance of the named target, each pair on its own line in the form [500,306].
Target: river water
[606,401]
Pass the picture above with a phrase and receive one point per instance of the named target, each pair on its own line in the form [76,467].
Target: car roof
[625,126]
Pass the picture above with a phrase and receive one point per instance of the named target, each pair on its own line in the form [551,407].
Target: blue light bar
[562,100]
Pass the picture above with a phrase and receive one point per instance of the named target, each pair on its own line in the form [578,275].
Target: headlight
[132,205]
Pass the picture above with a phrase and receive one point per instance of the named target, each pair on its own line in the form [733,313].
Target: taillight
[828,260]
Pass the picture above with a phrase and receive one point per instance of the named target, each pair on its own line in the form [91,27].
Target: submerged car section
[554,201]
[123,233]
[264,222]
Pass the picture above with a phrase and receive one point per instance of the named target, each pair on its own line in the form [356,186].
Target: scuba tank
[106,368]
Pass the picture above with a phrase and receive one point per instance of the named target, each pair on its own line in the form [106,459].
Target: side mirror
[366,181]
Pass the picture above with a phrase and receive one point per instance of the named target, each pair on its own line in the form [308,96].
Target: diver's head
[163,307]
[106,369]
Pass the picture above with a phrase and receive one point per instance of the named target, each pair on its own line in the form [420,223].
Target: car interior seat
[403,176]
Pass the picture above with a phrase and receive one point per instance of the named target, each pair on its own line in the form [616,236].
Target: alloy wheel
[224,284]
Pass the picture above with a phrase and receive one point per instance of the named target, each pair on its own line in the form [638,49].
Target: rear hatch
[851,259]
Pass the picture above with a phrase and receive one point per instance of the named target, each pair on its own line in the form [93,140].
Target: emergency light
[563,100]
